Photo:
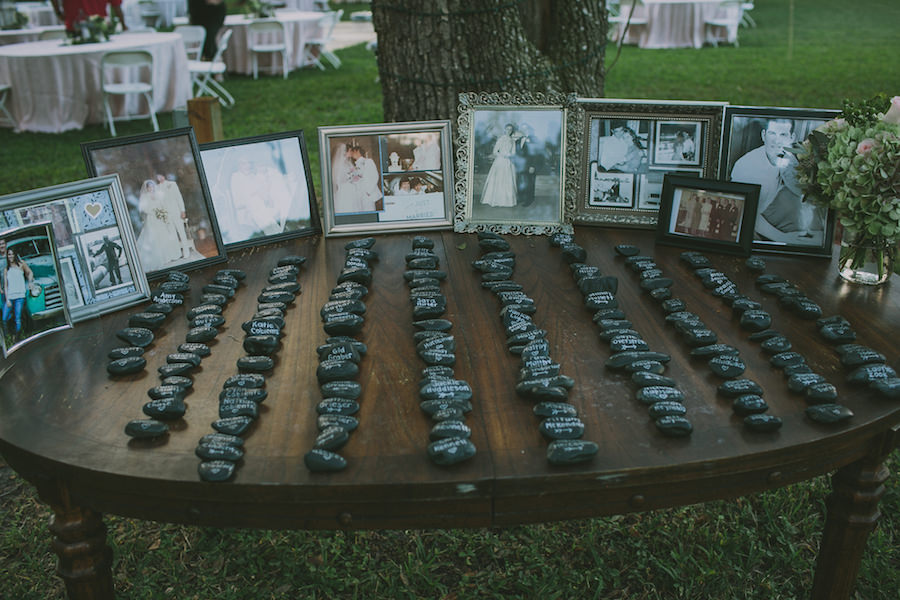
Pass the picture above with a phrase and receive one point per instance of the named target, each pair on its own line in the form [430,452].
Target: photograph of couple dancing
[355,176]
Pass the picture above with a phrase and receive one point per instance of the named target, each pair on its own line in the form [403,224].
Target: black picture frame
[145,163]
[707,214]
[267,172]
[784,223]
[624,191]
[100,269]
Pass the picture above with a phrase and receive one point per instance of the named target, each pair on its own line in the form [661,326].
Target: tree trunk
[429,51]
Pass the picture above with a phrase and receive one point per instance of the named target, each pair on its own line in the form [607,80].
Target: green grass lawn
[762,546]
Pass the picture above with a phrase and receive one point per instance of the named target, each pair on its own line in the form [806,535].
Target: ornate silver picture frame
[630,145]
[517,156]
[100,270]
[386,177]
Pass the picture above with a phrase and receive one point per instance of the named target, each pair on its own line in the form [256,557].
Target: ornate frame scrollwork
[538,216]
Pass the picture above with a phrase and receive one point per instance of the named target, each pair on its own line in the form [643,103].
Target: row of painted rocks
[221,451]
[339,358]
[166,402]
[540,380]
[443,397]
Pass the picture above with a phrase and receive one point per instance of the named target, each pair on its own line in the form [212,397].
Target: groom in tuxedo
[369,189]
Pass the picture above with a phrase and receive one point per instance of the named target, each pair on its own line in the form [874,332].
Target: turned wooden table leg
[852,514]
[79,540]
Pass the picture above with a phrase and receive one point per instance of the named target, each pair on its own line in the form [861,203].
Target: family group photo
[712,216]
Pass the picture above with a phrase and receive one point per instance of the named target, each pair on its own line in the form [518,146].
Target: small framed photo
[261,188]
[34,302]
[706,214]
[754,151]
[637,142]
[516,163]
[169,205]
[100,268]
[387,177]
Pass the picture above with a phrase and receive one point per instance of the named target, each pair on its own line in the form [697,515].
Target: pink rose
[865,146]
[893,113]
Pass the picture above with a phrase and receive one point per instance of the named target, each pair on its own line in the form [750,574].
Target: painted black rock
[146,428]
[136,336]
[203,309]
[318,460]
[866,374]
[211,451]
[285,297]
[174,287]
[430,407]
[158,307]
[230,394]
[761,336]
[645,379]
[674,426]
[178,276]
[775,345]
[749,404]
[215,288]
[255,364]
[829,413]
[165,391]
[337,406]
[339,351]
[331,438]
[446,389]
[438,356]
[343,421]
[562,428]
[624,343]
[266,325]
[622,359]
[433,324]
[797,368]
[222,438]
[233,425]
[727,366]
[699,336]
[540,392]
[756,263]
[838,333]
[651,366]
[341,389]
[666,409]
[126,366]
[201,334]
[227,280]
[450,451]
[177,368]
[207,321]
[888,388]
[785,359]
[181,381]
[148,320]
[742,305]
[449,429]
[261,344]
[183,357]
[821,393]
[763,423]
[335,370]
[755,320]
[600,300]
[736,387]
[420,241]
[245,380]
[165,409]
[343,324]
[570,452]
[215,470]
[627,250]
[657,393]
[798,382]
[713,350]
[239,408]
[167,298]
[862,356]
[554,409]
[219,299]
[293,259]
[200,349]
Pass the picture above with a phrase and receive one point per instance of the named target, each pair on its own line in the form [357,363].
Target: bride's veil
[339,164]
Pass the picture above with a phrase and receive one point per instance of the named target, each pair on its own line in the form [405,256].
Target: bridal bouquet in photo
[851,165]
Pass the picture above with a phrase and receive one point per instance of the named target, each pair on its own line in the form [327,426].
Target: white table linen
[39,14]
[672,23]
[31,34]
[57,87]
[299,26]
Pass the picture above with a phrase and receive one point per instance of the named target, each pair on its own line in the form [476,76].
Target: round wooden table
[62,416]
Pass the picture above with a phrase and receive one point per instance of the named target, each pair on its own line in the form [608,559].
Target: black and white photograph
[756,150]
[646,138]
[261,188]
[94,242]
[33,301]
[168,201]
[611,189]
[676,143]
[386,177]
[706,214]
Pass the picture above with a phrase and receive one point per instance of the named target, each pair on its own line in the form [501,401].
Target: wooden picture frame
[630,145]
[42,309]
[388,177]
[261,188]
[707,214]
[169,205]
[100,267]
[516,162]
[752,148]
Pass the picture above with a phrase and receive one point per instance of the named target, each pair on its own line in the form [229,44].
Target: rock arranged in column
[221,451]
[540,379]
[343,316]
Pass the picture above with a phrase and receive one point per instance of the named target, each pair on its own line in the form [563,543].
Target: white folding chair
[7,116]
[194,37]
[134,63]
[314,49]
[203,74]
[728,16]
[625,15]
[267,37]
[150,13]
[746,19]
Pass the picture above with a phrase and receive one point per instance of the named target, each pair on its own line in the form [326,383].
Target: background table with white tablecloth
[672,23]
[57,87]
[29,34]
[299,26]
[40,14]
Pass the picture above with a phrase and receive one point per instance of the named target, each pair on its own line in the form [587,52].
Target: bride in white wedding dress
[346,192]
[154,242]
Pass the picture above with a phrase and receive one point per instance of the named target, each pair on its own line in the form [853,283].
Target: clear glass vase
[866,259]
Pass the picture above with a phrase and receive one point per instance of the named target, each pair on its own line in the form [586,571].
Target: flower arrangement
[259,9]
[93,29]
[851,164]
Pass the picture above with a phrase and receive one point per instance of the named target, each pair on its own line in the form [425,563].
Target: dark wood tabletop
[62,416]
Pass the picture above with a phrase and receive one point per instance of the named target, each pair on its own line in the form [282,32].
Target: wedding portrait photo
[260,188]
[356,176]
[517,165]
[166,194]
[414,151]
[757,150]
[676,143]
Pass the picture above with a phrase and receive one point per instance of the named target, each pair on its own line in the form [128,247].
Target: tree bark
[429,51]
